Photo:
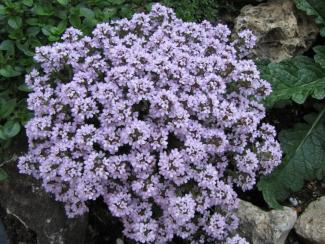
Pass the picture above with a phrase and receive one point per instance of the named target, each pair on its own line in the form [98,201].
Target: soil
[16,232]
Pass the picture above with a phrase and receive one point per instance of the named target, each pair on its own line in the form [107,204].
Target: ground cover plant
[160,117]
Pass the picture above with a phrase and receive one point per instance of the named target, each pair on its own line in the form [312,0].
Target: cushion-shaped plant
[160,117]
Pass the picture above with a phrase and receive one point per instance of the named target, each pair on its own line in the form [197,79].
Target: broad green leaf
[15,22]
[296,78]
[3,175]
[314,8]
[304,149]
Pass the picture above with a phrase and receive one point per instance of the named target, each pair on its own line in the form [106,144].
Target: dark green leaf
[63,2]
[24,48]
[7,107]
[87,13]
[11,128]
[295,79]
[75,21]
[24,88]
[314,8]
[53,38]
[3,175]
[15,22]
[304,148]
[28,3]
[33,31]
[46,30]
[32,21]
[42,10]
[116,2]
[2,10]
[109,13]
[320,55]
[8,71]
[8,45]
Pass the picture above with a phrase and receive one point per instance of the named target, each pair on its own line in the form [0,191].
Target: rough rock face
[267,227]
[23,197]
[282,31]
[311,223]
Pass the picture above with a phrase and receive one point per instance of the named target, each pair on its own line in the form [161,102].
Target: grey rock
[23,197]
[311,223]
[282,31]
[267,227]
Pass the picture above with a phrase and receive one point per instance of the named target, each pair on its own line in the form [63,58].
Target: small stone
[293,201]
[311,223]
[267,227]
[23,198]
[282,31]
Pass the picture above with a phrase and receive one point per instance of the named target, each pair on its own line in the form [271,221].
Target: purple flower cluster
[159,117]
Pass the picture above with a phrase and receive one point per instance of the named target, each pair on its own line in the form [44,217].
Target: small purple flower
[159,117]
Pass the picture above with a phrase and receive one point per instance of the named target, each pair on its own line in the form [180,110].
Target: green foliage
[26,24]
[304,145]
[195,10]
[314,8]
[3,175]
[304,160]
[296,78]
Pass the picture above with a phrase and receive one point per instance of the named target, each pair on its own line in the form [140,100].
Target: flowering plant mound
[160,117]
